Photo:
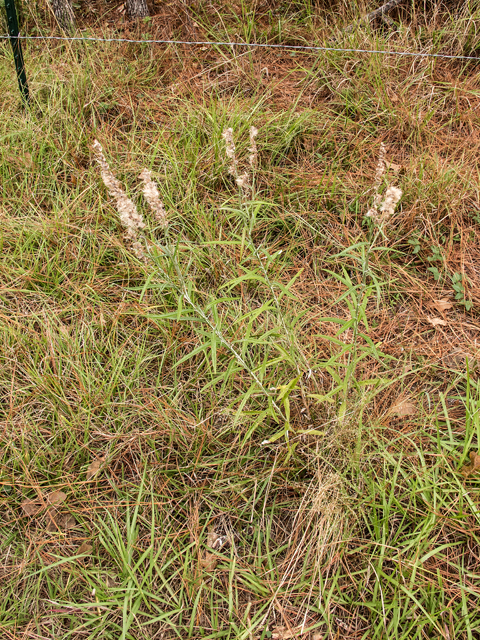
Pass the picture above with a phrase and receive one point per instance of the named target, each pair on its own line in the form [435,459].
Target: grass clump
[238,385]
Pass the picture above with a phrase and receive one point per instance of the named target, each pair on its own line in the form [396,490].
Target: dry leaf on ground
[67,521]
[59,521]
[442,305]
[84,549]
[437,321]
[474,465]
[403,407]
[31,507]
[94,468]
[209,561]
[56,497]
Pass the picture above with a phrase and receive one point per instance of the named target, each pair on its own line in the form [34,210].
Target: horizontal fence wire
[259,45]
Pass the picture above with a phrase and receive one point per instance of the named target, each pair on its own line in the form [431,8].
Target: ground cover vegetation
[239,320]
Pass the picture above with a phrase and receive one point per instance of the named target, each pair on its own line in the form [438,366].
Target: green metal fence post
[12,24]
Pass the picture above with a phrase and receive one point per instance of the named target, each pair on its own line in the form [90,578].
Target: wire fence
[16,39]
[258,45]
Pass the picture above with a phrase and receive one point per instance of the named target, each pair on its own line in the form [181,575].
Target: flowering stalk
[392,196]
[152,196]
[127,211]
[230,151]
[253,157]
[243,181]
[383,206]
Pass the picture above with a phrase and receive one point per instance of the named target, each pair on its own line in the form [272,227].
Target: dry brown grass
[369,531]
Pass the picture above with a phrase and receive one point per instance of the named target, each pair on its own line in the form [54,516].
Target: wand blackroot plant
[248,211]
[358,294]
[133,222]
